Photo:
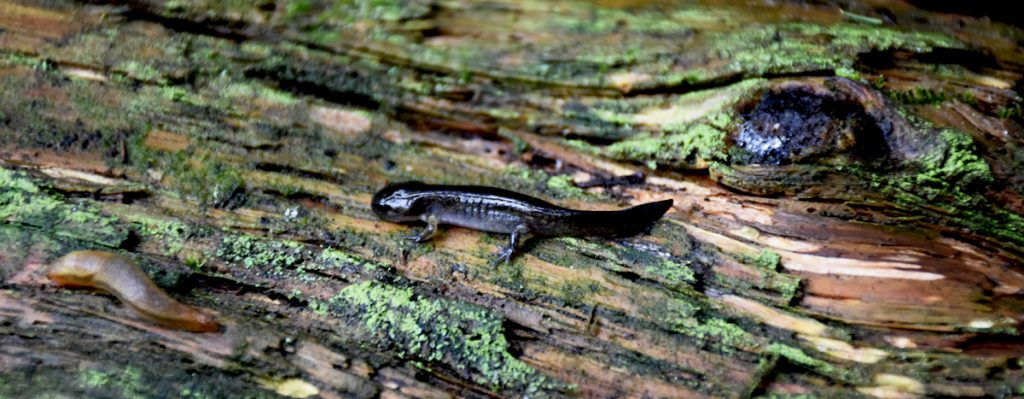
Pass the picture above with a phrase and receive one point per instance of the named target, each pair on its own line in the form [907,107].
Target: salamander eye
[398,202]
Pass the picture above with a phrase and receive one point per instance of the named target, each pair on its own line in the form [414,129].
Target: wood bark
[847,179]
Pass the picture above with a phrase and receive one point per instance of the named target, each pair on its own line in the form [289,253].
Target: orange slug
[119,276]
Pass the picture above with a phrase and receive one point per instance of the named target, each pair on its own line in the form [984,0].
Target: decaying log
[847,177]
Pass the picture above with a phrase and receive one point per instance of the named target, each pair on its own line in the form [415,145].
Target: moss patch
[692,148]
[951,178]
[125,382]
[575,292]
[716,331]
[283,256]
[798,357]
[563,185]
[953,169]
[795,47]
[211,183]
[768,260]
[673,272]
[467,338]
[172,234]
[23,202]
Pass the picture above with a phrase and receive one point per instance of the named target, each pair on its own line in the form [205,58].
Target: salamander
[502,211]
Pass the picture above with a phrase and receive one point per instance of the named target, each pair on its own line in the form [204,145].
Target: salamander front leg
[427,233]
[505,255]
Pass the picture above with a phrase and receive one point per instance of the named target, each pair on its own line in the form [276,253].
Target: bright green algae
[465,337]
[23,202]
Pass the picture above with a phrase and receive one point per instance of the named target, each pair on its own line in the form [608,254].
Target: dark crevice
[997,10]
[303,82]
[723,82]
[971,59]
[628,275]
[418,121]
[262,146]
[222,28]
[795,125]
[289,170]
[595,140]
[301,196]
[215,283]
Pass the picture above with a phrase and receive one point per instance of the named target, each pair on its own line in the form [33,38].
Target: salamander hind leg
[427,233]
[519,234]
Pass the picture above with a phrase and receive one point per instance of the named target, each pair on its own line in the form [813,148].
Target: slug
[119,276]
[501,211]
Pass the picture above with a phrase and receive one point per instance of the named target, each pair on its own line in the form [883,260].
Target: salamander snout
[399,202]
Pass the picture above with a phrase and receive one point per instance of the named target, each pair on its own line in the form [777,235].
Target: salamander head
[400,202]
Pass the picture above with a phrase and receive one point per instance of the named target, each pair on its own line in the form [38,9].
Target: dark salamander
[501,211]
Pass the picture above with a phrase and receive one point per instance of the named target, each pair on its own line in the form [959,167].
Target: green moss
[691,148]
[847,72]
[248,91]
[82,120]
[718,331]
[283,256]
[128,381]
[296,8]
[918,96]
[794,47]
[124,382]
[999,223]
[178,94]
[787,285]
[143,71]
[211,183]
[575,292]
[796,356]
[511,277]
[582,146]
[948,183]
[1010,111]
[251,251]
[33,62]
[171,233]
[677,312]
[768,259]
[672,272]
[195,262]
[468,339]
[645,46]
[318,307]
[332,258]
[783,287]
[22,202]
[953,167]
[525,179]
[564,186]
[524,176]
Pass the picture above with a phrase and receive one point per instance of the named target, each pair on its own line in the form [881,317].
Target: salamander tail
[625,222]
[638,218]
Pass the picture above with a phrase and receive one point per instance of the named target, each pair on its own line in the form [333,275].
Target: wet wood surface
[847,180]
